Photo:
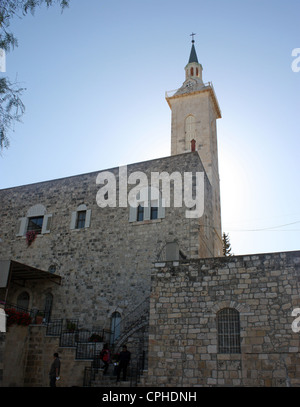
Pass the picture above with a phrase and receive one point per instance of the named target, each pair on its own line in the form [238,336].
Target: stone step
[111,383]
[109,379]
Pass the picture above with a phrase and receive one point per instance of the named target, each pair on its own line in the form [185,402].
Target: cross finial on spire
[192,35]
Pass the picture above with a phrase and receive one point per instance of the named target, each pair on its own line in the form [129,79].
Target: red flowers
[17,317]
[30,237]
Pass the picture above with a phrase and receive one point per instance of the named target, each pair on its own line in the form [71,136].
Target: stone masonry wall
[107,266]
[185,299]
[28,355]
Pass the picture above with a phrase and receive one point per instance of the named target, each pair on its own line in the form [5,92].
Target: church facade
[130,253]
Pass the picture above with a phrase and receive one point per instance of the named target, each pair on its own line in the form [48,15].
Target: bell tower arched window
[190,131]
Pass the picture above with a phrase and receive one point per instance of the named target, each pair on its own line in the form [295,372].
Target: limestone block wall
[105,267]
[183,334]
[14,356]
[28,355]
[40,357]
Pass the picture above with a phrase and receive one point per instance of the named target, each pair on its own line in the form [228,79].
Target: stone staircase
[137,319]
[133,332]
[110,379]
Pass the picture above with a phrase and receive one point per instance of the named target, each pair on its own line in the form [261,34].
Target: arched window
[52,269]
[23,301]
[192,71]
[115,326]
[228,327]
[36,220]
[190,131]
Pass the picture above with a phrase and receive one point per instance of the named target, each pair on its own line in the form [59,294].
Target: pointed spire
[193,55]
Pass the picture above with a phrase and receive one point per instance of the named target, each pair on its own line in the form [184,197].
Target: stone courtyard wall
[28,355]
[185,299]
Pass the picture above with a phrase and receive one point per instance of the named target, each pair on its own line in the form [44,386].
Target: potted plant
[30,237]
[71,326]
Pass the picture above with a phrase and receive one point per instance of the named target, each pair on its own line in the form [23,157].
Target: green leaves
[11,108]
[11,105]
[226,245]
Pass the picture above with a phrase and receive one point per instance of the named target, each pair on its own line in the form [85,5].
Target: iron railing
[132,319]
[137,370]
[171,93]
[37,316]
[54,327]
[87,343]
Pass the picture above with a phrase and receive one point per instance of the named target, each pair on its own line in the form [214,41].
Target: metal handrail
[131,319]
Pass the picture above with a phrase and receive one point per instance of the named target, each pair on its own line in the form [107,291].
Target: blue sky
[96,78]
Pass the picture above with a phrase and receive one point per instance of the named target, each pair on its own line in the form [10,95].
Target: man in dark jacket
[124,359]
[54,370]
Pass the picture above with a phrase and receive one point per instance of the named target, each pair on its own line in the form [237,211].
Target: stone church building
[151,274]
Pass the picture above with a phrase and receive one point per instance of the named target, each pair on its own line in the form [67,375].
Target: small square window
[80,222]
[35,224]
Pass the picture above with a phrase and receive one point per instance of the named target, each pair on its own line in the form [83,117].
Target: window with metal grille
[228,325]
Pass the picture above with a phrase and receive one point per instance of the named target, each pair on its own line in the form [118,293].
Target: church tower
[195,110]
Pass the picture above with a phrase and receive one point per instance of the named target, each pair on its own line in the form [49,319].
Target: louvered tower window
[190,131]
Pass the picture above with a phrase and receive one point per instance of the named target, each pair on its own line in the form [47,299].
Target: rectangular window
[140,213]
[148,207]
[154,212]
[80,222]
[35,224]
